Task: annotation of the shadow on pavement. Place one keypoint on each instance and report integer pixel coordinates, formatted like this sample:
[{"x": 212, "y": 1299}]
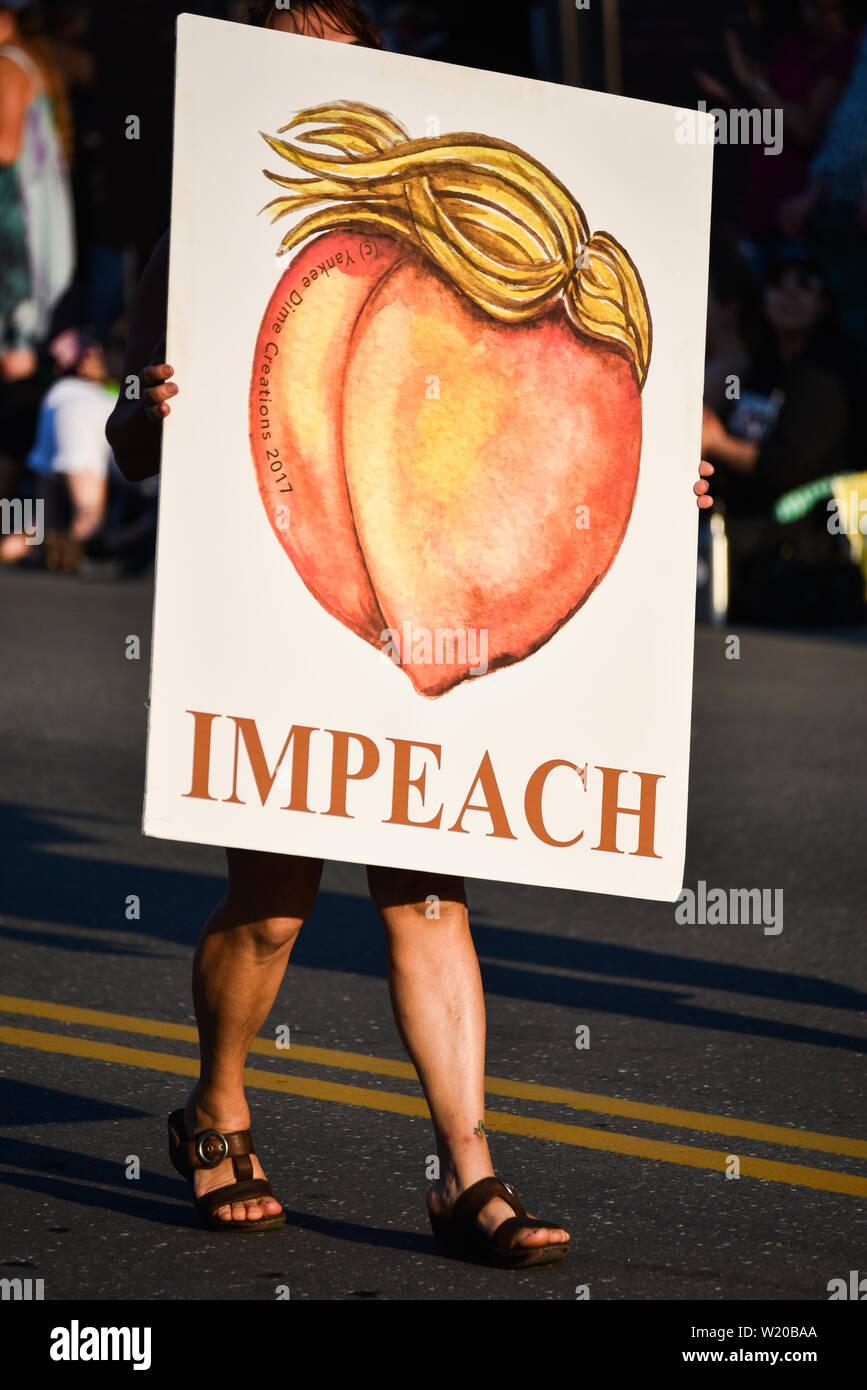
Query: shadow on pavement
[{"x": 344, "y": 935}]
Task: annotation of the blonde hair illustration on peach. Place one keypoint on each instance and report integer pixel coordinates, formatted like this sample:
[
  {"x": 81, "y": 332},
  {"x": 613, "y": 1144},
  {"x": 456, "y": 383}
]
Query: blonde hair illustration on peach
[{"x": 504, "y": 230}]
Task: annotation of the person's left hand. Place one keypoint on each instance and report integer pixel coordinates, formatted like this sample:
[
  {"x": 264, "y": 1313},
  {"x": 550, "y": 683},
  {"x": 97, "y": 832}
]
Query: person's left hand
[{"x": 701, "y": 487}]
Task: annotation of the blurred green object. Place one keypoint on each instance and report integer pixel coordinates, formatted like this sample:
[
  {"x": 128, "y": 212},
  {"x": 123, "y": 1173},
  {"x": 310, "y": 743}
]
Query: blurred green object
[
  {"x": 850, "y": 493},
  {"x": 795, "y": 504}
]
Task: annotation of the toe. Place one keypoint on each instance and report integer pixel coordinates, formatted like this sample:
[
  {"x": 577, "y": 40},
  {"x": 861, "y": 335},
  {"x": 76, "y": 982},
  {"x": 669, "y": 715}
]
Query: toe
[
  {"x": 533, "y": 1235},
  {"x": 541, "y": 1235}
]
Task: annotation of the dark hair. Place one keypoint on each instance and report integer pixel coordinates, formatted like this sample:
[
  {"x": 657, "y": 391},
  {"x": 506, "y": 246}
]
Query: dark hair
[{"x": 343, "y": 14}]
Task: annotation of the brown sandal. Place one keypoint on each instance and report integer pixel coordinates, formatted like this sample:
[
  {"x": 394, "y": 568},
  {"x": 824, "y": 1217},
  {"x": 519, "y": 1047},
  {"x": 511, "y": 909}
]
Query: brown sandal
[
  {"x": 63, "y": 552},
  {"x": 205, "y": 1150},
  {"x": 461, "y": 1238}
]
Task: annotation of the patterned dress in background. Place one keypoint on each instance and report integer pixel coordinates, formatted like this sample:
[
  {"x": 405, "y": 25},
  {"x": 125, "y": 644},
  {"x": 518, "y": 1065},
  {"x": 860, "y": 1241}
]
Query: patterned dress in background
[{"x": 37, "y": 239}]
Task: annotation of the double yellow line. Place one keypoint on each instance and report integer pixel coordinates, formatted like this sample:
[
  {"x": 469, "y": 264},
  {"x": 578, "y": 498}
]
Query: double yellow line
[{"x": 399, "y": 1103}]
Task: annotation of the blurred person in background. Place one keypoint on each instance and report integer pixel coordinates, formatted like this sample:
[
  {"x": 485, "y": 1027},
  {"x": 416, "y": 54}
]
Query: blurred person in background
[
  {"x": 733, "y": 293},
  {"x": 831, "y": 210},
  {"x": 71, "y": 456},
  {"x": 803, "y": 80},
  {"x": 37, "y": 252},
  {"x": 791, "y": 422}
]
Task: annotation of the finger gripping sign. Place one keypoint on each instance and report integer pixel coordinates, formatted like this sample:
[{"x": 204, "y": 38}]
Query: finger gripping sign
[{"x": 425, "y": 575}]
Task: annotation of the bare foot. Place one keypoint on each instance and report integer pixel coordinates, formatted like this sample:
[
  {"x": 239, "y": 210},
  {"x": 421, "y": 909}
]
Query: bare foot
[
  {"x": 225, "y": 1119},
  {"x": 443, "y": 1195}
]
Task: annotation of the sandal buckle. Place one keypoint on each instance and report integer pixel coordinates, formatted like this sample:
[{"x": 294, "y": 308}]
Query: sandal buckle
[
  {"x": 211, "y": 1148},
  {"x": 512, "y": 1193}
]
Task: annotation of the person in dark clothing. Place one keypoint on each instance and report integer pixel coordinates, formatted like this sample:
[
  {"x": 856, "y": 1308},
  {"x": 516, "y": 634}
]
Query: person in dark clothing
[{"x": 791, "y": 422}]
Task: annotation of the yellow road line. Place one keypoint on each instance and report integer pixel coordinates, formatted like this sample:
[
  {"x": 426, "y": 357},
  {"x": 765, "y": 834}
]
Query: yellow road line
[
  {"x": 514, "y": 1090},
  {"x": 394, "y": 1103}
]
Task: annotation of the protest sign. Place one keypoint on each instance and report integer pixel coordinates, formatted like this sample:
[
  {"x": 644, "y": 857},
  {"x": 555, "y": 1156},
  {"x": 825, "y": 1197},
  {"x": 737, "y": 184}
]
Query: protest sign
[{"x": 426, "y": 558}]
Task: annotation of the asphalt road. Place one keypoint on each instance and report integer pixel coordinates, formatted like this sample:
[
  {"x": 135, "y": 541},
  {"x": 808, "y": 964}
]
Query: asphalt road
[{"x": 705, "y": 1041}]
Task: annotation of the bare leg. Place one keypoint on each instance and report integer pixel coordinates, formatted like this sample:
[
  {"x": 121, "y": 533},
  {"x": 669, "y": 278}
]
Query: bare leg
[
  {"x": 87, "y": 493},
  {"x": 439, "y": 1009},
  {"x": 238, "y": 967}
]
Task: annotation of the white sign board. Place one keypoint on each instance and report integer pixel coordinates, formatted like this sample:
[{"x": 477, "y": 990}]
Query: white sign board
[{"x": 426, "y": 560}]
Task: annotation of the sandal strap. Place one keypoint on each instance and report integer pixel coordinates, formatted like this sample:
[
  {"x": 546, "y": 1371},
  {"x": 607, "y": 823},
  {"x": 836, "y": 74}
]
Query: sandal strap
[
  {"x": 233, "y": 1192},
  {"x": 210, "y": 1147},
  {"x": 470, "y": 1202},
  {"x": 502, "y": 1236}
]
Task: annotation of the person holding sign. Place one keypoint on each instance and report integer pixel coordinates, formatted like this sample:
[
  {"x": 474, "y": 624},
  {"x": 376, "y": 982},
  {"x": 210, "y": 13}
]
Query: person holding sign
[{"x": 433, "y": 972}]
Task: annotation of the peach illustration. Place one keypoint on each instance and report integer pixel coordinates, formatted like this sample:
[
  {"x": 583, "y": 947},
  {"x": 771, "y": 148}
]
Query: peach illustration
[{"x": 445, "y": 408}]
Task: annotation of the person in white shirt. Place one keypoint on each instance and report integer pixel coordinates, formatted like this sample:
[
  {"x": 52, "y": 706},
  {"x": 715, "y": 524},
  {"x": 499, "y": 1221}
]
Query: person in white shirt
[
  {"x": 70, "y": 432},
  {"x": 71, "y": 455}
]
